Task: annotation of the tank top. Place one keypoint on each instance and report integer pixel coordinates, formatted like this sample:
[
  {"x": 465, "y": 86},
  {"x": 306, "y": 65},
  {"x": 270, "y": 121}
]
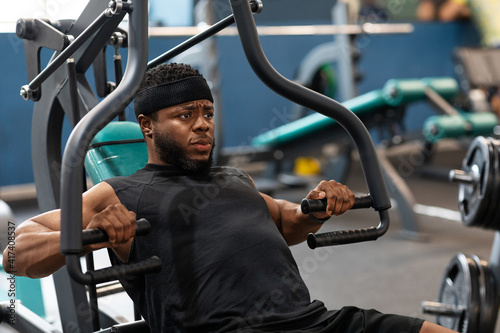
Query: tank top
[{"x": 225, "y": 265}]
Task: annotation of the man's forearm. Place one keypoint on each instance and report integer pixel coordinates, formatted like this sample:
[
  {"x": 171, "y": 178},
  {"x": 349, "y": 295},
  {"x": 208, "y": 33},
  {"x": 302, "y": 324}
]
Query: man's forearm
[
  {"x": 295, "y": 226},
  {"x": 34, "y": 255}
]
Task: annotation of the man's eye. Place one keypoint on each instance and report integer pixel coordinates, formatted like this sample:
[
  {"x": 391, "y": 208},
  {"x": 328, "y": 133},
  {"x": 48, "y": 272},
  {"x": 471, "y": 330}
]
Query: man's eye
[
  {"x": 185, "y": 115},
  {"x": 209, "y": 115}
]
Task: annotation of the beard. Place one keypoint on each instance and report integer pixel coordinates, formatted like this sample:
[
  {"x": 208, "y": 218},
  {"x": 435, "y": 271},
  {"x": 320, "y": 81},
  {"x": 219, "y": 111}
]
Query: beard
[{"x": 171, "y": 152}]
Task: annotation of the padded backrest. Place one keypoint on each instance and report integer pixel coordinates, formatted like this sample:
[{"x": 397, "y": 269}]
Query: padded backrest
[
  {"x": 117, "y": 150},
  {"x": 480, "y": 66}
]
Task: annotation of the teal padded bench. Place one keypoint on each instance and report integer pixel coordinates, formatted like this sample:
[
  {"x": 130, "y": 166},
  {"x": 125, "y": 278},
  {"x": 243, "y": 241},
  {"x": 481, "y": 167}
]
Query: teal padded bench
[
  {"x": 394, "y": 93},
  {"x": 117, "y": 150}
]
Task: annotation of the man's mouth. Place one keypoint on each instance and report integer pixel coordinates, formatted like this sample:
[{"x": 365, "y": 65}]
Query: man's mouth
[{"x": 202, "y": 145}]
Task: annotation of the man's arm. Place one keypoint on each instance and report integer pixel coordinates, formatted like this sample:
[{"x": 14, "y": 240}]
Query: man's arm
[
  {"x": 294, "y": 225},
  {"x": 38, "y": 239}
]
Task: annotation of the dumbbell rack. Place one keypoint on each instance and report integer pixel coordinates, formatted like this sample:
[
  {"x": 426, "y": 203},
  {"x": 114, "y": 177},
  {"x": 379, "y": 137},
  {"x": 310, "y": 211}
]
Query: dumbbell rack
[{"x": 468, "y": 299}]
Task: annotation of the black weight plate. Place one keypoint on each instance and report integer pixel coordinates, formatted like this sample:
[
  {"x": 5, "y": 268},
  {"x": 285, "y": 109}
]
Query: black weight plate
[
  {"x": 460, "y": 289},
  {"x": 495, "y": 223},
  {"x": 471, "y": 197},
  {"x": 492, "y": 220},
  {"x": 492, "y": 191},
  {"x": 487, "y": 297}
]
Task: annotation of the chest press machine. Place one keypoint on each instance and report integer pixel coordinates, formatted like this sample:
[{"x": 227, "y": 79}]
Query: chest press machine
[{"x": 110, "y": 148}]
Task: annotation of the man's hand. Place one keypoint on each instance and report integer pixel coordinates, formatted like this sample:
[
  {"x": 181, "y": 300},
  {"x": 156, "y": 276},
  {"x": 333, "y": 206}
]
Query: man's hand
[
  {"x": 118, "y": 222},
  {"x": 339, "y": 197}
]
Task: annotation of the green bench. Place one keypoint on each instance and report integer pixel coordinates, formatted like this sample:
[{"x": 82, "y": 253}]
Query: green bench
[
  {"x": 395, "y": 93},
  {"x": 117, "y": 150}
]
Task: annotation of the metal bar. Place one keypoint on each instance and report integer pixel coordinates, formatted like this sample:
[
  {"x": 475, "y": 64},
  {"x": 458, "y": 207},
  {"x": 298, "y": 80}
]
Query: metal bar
[
  {"x": 330, "y": 108},
  {"x": 24, "y": 320},
  {"x": 64, "y": 55},
  {"x": 439, "y": 102},
  {"x": 315, "y": 101},
  {"x": 93, "y": 304},
  {"x": 442, "y": 309},
  {"x": 201, "y": 36},
  {"x": 287, "y": 30},
  {"x": 463, "y": 177},
  {"x": 75, "y": 151},
  {"x": 110, "y": 288},
  {"x": 74, "y": 114},
  {"x": 91, "y": 123}
]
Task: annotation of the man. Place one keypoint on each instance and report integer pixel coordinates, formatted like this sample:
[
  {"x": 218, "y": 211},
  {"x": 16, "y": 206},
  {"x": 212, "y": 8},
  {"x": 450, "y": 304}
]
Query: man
[{"x": 226, "y": 265}]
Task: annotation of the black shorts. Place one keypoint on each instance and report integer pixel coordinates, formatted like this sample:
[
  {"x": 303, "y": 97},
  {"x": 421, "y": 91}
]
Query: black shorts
[
  {"x": 347, "y": 320},
  {"x": 354, "y": 320}
]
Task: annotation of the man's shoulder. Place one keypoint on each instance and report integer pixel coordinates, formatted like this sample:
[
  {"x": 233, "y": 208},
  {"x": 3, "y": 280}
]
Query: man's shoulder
[
  {"x": 228, "y": 170},
  {"x": 139, "y": 177}
]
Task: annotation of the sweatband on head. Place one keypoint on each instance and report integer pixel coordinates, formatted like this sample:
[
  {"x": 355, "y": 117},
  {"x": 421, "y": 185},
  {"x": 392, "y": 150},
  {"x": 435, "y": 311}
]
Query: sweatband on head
[{"x": 165, "y": 95}]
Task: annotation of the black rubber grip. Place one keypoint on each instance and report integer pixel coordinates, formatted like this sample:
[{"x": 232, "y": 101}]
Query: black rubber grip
[
  {"x": 310, "y": 205},
  {"x": 342, "y": 237},
  {"x": 147, "y": 266},
  {"x": 94, "y": 236}
]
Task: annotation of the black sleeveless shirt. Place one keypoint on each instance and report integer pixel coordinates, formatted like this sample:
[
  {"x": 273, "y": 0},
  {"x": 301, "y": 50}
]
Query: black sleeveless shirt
[{"x": 225, "y": 265}]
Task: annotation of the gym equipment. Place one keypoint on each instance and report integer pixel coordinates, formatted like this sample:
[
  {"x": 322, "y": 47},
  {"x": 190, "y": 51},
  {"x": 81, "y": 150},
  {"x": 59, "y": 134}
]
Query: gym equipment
[
  {"x": 383, "y": 108},
  {"x": 453, "y": 123},
  {"x": 308, "y": 206},
  {"x": 64, "y": 91},
  {"x": 395, "y": 93},
  {"x": 462, "y": 124},
  {"x": 478, "y": 74},
  {"x": 479, "y": 182},
  {"x": 326, "y": 106},
  {"x": 118, "y": 149},
  {"x": 468, "y": 298},
  {"x": 335, "y": 237}
]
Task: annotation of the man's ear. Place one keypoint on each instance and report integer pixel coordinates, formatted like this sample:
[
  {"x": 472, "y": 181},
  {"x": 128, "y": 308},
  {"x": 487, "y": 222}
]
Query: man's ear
[{"x": 146, "y": 125}]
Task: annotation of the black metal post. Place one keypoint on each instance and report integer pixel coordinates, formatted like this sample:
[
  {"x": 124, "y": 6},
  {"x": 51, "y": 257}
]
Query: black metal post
[
  {"x": 192, "y": 41},
  {"x": 68, "y": 51},
  {"x": 326, "y": 106},
  {"x": 85, "y": 130}
]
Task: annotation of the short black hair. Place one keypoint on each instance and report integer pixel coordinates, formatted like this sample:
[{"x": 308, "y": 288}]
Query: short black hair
[{"x": 166, "y": 73}]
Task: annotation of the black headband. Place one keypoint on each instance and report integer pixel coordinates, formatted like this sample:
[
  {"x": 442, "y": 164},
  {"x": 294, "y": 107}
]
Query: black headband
[{"x": 162, "y": 96}]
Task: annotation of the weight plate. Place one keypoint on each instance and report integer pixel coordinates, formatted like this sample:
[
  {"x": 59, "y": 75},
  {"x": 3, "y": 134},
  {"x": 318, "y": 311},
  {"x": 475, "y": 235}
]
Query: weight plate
[
  {"x": 491, "y": 220},
  {"x": 460, "y": 289},
  {"x": 487, "y": 297},
  {"x": 495, "y": 223},
  {"x": 491, "y": 193},
  {"x": 472, "y": 198}
]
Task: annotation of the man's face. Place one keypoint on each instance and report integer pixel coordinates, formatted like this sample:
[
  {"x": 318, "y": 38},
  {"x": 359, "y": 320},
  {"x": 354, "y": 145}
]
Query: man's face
[{"x": 184, "y": 135}]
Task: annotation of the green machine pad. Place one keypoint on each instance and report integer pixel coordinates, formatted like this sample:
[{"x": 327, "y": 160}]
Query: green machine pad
[{"x": 117, "y": 150}]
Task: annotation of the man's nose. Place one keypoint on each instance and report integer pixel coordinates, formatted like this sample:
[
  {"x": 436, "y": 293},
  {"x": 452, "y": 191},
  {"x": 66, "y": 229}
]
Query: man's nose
[{"x": 201, "y": 123}]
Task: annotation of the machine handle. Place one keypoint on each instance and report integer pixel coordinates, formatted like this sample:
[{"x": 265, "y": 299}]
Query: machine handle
[
  {"x": 311, "y": 205},
  {"x": 344, "y": 236},
  {"x": 293, "y": 91},
  {"x": 147, "y": 266},
  {"x": 94, "y": 236}
]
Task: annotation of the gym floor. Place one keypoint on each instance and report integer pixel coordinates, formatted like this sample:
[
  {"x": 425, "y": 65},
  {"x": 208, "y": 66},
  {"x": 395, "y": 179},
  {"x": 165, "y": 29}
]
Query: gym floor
[{"x": 395, "y": 273}]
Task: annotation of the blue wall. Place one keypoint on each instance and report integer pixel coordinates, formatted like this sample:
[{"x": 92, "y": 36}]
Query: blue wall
[{"x": 249, "y": 107}]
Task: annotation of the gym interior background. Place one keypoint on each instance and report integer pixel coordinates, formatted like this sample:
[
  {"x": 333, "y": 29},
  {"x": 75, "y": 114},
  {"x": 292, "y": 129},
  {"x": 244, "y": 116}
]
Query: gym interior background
[
  {"x": 249, "y": 108},
  {"x": 427, "y": 52}
]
